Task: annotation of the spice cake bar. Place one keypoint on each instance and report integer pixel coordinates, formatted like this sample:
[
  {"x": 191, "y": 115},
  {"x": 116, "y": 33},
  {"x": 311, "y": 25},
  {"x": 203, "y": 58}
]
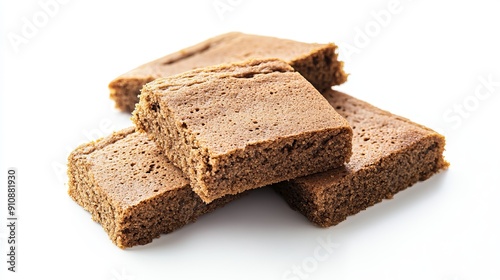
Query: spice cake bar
[
  {"x": 240, "y": 126},
  {"x": 390, "y": 153},
  {"x": 132, "y": 190},
  {"x": 317, "y": 62}
]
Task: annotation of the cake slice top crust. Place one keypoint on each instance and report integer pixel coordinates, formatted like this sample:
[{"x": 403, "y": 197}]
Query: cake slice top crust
[
  {"x": 318, "y": 63},
  {"x": 129, "y": 153},
  {"x": 229, "y": 106},
  {"x": 233, "y": 46}
]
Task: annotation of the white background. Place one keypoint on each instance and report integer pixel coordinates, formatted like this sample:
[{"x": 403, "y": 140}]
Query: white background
[{"x": 421, "y": 59}]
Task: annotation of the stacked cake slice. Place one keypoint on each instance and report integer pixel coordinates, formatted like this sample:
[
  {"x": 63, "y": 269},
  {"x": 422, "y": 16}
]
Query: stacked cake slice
[
  {"x": 389, "y": 154},
  {"x": 316, "y": 62},
  {"x": 236, "y": 127},
  {"x": 204, "y": 137}
]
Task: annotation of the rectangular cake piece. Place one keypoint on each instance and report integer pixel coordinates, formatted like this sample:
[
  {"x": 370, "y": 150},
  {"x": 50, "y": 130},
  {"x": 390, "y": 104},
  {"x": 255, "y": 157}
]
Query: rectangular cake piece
[
  {"x": 390, "y": 153},
  {"x": 131, "y": 188},
  {"x": 240, "y": 126},
  {"x": 317, "y": 62}
]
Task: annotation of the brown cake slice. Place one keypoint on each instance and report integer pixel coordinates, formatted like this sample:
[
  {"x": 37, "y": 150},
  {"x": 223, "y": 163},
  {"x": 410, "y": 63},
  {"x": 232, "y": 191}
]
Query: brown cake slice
[
  {"x": 132, "y": 190},
  {"x": 390, "y": 153},
  {"x": 317, "y": 62},
  {"x": 240, "y": 126}
]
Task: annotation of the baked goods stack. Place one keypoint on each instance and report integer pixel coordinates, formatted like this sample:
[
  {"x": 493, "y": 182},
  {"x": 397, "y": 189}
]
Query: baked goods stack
[{"x": 239, "y": 112}]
